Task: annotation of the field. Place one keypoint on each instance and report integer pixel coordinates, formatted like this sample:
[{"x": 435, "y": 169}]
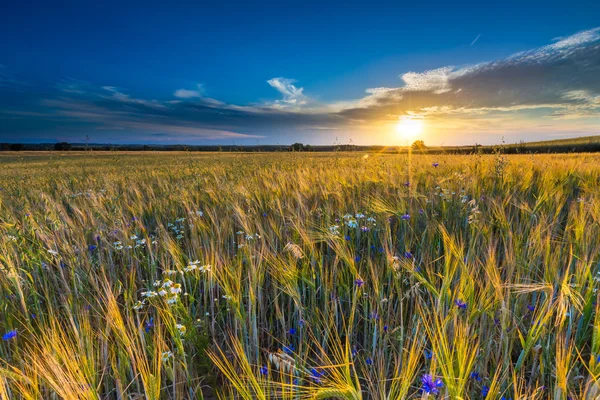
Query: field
[{"x": 295, "y": 276}]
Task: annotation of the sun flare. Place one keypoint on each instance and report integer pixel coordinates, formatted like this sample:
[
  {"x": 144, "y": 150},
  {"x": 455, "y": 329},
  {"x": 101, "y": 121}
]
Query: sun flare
[{"x": 409, "y": 127}]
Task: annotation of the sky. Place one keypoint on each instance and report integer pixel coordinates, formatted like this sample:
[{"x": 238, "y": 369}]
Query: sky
[{"x": 313, "y": 72}]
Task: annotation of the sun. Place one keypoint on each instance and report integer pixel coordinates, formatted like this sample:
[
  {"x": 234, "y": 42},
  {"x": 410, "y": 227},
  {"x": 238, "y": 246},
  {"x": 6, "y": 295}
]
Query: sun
[{"x": 409, "y": 127}]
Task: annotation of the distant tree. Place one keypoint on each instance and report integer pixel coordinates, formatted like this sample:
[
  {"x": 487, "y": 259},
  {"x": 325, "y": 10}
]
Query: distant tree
[
  {"x": 297, "y": 147},
  {"x": 418, "y": 145},
  {"x": 63, "y": 146},
  {"x": 17, "y": 147}
]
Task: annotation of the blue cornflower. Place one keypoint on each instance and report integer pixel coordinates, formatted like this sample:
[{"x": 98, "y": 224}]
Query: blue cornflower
[
  {"x": 531, "y": 308},
  {"x": 405, "y": 217},
  {"x": 475, "y": 375},
  {"x": 92, "y": 247},
  {"x": 289, "y": 350},
  {"x": 460, "y": 304},
  {"x": 347, "y": 237},
  {"x": 429, "y": 385},
  {"x": 428, "y": 354},
  {"x": 292, "y": 331},
  {"x": 264, "y": 214},
  {"x": 301, "y": 323},
  {"x": 354, "y": 352},
  {"x": 264, "y": 370},
  {"x": 359, "y": 282},
  {"x": 149, "y": 324},
  {"x": 98, "y": 238},
  {"x": 357, "y": 258},
  {"x": 10, "y": 335},
  {"x": 485, "y": 390},
  {"x": 385, "y": 328},
  {"x": 369, "y": 361},
  {"x": 407, "y": 184},
  {"x": 316, "y": 375},
  {"x": 436, "y": 164},
  {"x": 408, "y": 254},
  {"x": 421, "y": 211}
]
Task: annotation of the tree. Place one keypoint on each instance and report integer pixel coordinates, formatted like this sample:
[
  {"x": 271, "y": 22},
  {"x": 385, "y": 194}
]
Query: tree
[
  {"x": 418, "y": 145},
  {"x": 17, "y": 147},
  {"x": 297, "y": 147},
  {"x": 63, "y": 146}
]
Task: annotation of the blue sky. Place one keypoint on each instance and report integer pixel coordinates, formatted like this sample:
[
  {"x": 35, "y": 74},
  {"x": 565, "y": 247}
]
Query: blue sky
[{"x": 315, "y": 72}]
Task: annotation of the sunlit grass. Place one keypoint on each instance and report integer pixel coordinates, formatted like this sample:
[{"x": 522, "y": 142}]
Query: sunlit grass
[{"x": 299, "y": 276}]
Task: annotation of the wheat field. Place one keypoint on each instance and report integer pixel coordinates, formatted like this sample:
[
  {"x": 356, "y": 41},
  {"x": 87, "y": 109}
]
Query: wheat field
[{"x": 299, "y": 276}]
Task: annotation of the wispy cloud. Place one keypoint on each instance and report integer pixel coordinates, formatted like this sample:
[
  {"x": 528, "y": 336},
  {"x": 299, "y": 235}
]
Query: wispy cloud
[
  {"x": 292, "y": 95},
  {"x": 189, "y": 94},
  {"x": 475, "y": 40}
]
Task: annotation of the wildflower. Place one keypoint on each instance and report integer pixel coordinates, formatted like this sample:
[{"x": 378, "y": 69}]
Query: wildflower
[
  {"x": 485, "y": 390},
  {"x": 149, "y": 324},
  {"x": 166, "y": 356},
  {"x": 408, "y": 254},
  {"x": 407, "y": 184},
  {"x": 10, "y": 335},
  {"x": 181, "y": 328},
  {"x": 359, "y": 215},
  {"x": 428, "y": 354},
  {"x": 138, "y": 305},
  {"x": 385, "y": 328},
  {"x": 365, "y": 229},
  {"x": 357, "y": 258},
  {"x": 531, "y": 308},
  {"x": 352, "y": 223},
  {"x": 475, "y": 375},
  {"x": 436, "y": 164},
  {"x": 359, "y": 282},
  {"x": 92, "y": 247},
  {"x": 289, "y": 350},
  {"x": 429, "y": 385},
  {"x": 460, "y": 304},
  {"x": 172, "y": 300},
  {"x": 264, "y": 370},
  {"x": 292, "y": 331},
  {"x": 176, "y": 288},
  {"x": 347, "y": 237},
  {"x": 316, "y": 375},
  {"x": 405, "y": 217},
  {"x": 369, "y": 361}
]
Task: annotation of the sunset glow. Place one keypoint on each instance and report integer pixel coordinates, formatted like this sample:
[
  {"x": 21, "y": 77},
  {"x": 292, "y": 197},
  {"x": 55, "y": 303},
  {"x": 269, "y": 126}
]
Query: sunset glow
[{"x": 409, "y": 128}]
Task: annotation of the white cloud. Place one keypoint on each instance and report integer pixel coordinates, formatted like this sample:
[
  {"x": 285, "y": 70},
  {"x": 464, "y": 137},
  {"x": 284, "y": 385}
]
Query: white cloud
[
  {"x": 292, "y": 95},
  {"x": 189, "y": 94},
  {"x": 435, "y": 80}
]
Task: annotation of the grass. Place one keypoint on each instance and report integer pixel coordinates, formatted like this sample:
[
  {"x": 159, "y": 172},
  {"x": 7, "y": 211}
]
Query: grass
[{"x": 299, "y": 276}]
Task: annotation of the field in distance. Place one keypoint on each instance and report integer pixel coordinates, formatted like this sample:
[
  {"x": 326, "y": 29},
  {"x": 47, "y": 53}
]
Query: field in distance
[{"x": 339, "y": 275}]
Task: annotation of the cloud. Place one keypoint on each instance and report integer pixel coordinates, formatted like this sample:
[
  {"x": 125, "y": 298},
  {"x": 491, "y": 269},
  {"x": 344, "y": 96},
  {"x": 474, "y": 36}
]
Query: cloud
[
  {"x": 292, "y": 95},
  {"x": 562, "y": 75},
  {"x": 189, "y": 94},
  {"x": 556, "y": 83},
  {"x": 436, "y": 80}
]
